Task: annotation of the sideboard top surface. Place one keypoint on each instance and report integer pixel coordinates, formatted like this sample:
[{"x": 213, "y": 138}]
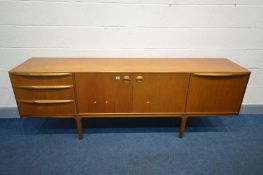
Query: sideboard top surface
[{"x": 129, "y": 65}]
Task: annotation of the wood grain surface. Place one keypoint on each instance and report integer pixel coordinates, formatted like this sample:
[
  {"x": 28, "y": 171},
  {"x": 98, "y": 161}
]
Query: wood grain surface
[{"x": 188, "y": 65}]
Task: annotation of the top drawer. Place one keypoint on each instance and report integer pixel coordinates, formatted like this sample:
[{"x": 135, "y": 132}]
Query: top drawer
[{"x": 38, "y": 79}]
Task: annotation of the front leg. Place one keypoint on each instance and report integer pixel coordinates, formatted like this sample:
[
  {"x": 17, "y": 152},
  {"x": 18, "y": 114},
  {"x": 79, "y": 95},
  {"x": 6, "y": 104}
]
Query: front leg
[
  {"x": 79, "y": 126},
  {"x": 182, "y": 126}
]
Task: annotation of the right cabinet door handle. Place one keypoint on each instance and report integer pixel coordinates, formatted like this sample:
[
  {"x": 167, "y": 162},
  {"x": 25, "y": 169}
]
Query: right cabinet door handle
[
  {"x": 139, "y": 78},
  {"x": 126, "y": 78}
]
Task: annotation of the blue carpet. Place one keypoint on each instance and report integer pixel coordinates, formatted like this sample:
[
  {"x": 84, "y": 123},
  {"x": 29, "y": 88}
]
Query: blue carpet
[{"x": 140, "y": 146}]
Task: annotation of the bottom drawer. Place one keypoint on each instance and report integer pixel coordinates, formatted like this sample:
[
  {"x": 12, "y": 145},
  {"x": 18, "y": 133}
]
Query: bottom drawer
[{"x": 42, "y": 107}]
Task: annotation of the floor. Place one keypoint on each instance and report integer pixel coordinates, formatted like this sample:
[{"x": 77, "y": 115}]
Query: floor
[{"x": 138, "y": 146}]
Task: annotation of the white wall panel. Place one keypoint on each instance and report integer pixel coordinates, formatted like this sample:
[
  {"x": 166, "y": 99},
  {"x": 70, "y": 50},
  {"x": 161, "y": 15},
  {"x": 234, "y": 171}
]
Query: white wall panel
[
  {"x": 254, "y": 95},
  {"x": 173, "y": 2},
  {"x": 99, "y": 38},
  {"x": 114, "y": 14},
  {"x": 8, "y": 99},
  {"x": 4, "y": 78},
  {"x": 258, "y": 78},
  {"x": 250, "y": 2}
]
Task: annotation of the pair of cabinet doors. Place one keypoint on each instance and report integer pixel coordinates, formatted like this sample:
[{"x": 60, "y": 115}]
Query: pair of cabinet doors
[
  {"x": 123, "y": 93},
  {"x": 158, "y": 93}
]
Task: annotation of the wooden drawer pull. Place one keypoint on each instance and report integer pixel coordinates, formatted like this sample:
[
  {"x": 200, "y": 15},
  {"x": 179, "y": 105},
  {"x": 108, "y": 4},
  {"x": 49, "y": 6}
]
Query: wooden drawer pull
[
  {"x": 126, "y": 79},
  {"x": 46, "y": 101},
  {"x": 45, "y": 87},
  {"x": 139, "y": 79},
  {"x": 218, "y": 74},
  {"x": 41, "y": 74}
]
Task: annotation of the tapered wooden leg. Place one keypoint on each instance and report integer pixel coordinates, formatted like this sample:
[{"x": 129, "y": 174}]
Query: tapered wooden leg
[
  {"x": 182, "y": 126},
  {"x": 79, "y": 126}
]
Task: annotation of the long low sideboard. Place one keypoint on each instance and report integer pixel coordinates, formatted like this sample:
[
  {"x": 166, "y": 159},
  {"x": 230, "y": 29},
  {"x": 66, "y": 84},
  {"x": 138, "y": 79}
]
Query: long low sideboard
[{"x": 133, "y": 87}]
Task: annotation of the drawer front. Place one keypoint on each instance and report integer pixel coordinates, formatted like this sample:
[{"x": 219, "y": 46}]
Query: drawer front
[
  {"x": 44, "y": 94},
  {"x": 216, "y": 93},
  {"x": 40, "y": 94},
  {"x": 42, "y": 108},
  {"x": 42, "y": 79}
]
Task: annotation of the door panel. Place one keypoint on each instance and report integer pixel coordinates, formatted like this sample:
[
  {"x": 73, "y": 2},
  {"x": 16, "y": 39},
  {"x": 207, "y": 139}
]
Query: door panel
[
  {"x": 103, "y": 92},
  {"x": 214, "y": 93},
  {"x": 165, "y": 92}
]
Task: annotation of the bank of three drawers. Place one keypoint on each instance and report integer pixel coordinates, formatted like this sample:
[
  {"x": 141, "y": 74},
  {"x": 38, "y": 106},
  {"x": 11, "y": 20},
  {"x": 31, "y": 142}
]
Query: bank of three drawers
[{"x": 43, "y": 94}]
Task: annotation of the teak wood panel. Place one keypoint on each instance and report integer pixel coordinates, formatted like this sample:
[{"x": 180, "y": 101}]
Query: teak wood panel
[
  {"x": 22, "y": 80},
  {"x": 55, "y": 87},
  {"x": 165, "y": 92},
  {"x": 45, "y": 94},
  {"x": 216, "y": 94},
  {"x": 35, "y": 109},
  {"x": 103, "y": 92},
  {"x": 132, "y": 65}
]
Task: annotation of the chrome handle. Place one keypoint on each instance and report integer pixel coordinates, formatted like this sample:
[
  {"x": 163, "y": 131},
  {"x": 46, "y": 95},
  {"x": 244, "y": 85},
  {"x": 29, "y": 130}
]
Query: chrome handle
[
  {"x": 126, "y": 78},
  {"x": 139, "y": 79}
]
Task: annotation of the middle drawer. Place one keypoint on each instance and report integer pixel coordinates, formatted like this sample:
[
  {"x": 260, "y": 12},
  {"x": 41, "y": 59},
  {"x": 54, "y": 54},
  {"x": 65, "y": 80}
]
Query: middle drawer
[{"x": 45, "y": 93}]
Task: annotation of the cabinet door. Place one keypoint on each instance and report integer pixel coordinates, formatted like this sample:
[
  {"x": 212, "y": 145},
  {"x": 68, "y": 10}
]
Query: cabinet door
[
  {"x": 103, "y": 92},
  {"x": 216, "y": 93},
  {"x": 160, "y": 93}
]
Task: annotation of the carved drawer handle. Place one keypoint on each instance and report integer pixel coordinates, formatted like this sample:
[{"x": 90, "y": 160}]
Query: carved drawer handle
[
  {"x": 126, "y": 79},
  {"x": 46, "y": 101},
  {"x": 218, "y": 74},
  {"x": 41, "y": 74},
  {"x": 45, "y": 87},
  {"x": 139, "y": 79}
]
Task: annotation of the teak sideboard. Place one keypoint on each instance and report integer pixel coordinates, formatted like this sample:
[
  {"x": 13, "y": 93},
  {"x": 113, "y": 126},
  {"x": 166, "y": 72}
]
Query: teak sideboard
[{"x": 108, "y": 87}]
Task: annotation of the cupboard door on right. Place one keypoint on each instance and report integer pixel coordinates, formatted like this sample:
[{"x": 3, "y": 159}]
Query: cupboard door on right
[
  {"x": 216, "y": 93},
  {"x": 160, "y": 92}
]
